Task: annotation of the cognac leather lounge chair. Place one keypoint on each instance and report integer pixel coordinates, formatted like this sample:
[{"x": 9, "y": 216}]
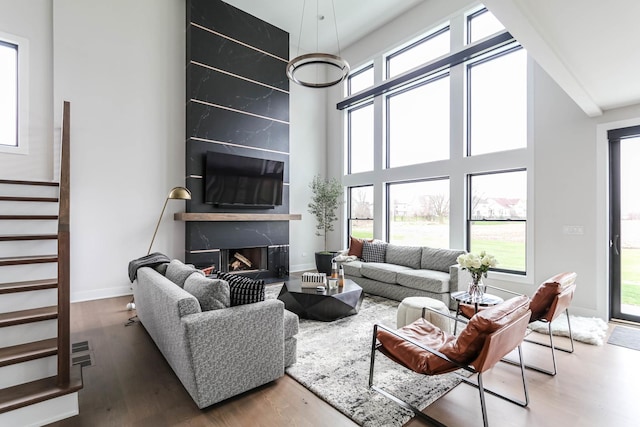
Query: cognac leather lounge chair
[
  {"x": 426, "y": 349},
  {"x": 551, "y": 299}
]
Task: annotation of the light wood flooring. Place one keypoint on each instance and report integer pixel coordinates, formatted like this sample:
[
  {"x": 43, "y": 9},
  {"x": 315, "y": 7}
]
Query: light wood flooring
[{"x": 130, "y": 384}]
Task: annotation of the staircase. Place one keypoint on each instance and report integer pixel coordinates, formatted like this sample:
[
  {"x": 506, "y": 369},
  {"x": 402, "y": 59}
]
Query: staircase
[{"x": 37, "y": 382}]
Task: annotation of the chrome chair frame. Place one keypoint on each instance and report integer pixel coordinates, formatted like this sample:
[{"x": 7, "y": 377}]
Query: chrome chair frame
[{"x": 479, "y": 384}]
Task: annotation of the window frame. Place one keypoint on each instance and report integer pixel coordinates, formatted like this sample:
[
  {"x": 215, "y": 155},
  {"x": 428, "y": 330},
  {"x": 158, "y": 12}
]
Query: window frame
[
  {"x": 22, "y": 107},
  {"x": 349, "y": 133},
  {"x": 467, "y": 68},
  {"x": 356, "y": 74},
  {"x": 469, "y": 219},
  {"x": 387, "y": 119},
  {"x": 388, "y": 57},
  {"x": 349, "y": 210}
]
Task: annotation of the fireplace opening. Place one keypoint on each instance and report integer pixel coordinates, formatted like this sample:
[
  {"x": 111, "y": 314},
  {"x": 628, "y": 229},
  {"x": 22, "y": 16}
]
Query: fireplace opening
[{"x": 245, "y": 259}]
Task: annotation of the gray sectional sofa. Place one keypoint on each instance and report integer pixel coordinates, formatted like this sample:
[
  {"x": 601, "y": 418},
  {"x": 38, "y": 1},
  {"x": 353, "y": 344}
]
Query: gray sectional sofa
[
  {"x": 219, "y": 353},
  {"x": 410, "y": 271}
]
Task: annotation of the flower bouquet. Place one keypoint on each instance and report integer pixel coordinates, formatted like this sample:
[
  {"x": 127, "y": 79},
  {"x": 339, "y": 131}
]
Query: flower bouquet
[{"x": 477, "y": 266}]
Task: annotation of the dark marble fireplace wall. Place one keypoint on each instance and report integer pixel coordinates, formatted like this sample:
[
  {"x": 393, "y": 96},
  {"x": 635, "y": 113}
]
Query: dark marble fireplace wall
[{"x": 237, "y": 102}]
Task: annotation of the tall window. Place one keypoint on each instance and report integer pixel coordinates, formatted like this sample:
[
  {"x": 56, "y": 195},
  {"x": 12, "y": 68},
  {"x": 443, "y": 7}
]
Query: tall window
[
  {"x": 418, "y": 123},
  {"x": 360, "y": 79},
  {"x": 419, "y": 213},
  {"x": 8, "y": 94},
  {"x": 360, "y": 202},
  {"x": 497, "y": 217},
  {"x": 497, "y": 103},
  {"x": 420, "y": 52},
  {"x": 360, "y": 153},
  {"x": 434, "y": 110},
  {"x": 14, "y": 96},
  {"x": 482, "y": 24}
]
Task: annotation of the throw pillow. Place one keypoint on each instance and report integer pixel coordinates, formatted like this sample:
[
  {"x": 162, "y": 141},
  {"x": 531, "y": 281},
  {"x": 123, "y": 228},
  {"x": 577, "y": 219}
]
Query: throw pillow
[
  {"x": 355, "y": 246},
  {"x": 374, "y": 251},
  {"x": 243, "y": 289},
  {"x": 212, "y": 294},
  {"x": 178, "y": 272}
]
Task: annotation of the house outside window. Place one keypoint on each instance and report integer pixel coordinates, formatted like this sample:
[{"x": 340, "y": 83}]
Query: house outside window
[{"x": 497, "y": 217}]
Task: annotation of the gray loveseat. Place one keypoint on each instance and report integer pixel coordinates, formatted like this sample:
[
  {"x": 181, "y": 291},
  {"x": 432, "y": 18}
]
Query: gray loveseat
[
  {"x": 219, "y": 353},
  {"x": 410, "y": 271}
]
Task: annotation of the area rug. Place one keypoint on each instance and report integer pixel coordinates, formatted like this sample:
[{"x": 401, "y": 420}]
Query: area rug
[
  {"x": 590, "y": 330},
  {"x": 333, "y": 362},
  {"x": 625, "y": 337}
]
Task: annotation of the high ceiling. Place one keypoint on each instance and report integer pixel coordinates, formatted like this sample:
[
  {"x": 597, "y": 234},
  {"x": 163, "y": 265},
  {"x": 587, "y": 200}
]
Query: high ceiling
[
  {"x": 355, "y": 19},
  {"x": 589, "y": 47}
]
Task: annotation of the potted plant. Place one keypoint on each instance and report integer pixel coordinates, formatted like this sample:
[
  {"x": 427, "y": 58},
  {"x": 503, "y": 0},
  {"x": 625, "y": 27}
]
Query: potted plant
[{"x": 326, "y": 197}]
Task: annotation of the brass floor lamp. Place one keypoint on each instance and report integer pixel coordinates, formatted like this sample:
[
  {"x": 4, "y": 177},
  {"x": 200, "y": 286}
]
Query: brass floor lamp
[{"x": 177, "y": 193}]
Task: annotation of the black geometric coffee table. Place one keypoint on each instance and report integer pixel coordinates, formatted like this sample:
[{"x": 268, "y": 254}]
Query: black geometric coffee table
[{"x": 325, "y": 306}]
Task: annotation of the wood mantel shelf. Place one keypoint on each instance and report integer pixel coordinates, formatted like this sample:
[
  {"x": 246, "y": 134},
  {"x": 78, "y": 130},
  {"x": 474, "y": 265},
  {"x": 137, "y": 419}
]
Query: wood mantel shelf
[{"x": 195, "y": 216}]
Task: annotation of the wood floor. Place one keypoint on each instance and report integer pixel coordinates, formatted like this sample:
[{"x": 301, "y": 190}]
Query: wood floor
[{"x": 130, "y": 384}]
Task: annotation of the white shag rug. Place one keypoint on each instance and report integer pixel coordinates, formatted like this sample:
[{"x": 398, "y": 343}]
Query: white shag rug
[
  {"x": 333, "y": 362},
  {"x": 590, "y": 330}
]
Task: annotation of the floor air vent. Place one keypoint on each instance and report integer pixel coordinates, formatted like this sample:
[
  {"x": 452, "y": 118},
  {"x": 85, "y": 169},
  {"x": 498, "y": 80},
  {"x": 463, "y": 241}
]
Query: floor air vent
[{"x": 81, "y": 354}]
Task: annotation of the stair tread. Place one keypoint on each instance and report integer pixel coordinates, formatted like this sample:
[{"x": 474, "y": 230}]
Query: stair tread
[
  {"x": 21, "y": 260},
  {"x": 31, "y": 285},
  {"x": 28, "y": 217},
  {"x": 29, "y": 182},
  {"x": 28, "y": 351},
  {"x": 28, "y": 199},
  {"x": 28, "y": 316},
  {"x": 26, "y": 394},
  {"x": 14, "y": 237}
]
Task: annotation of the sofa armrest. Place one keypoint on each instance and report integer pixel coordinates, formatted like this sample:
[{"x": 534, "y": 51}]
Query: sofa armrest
[
  {"x": 235, "y": 349},
  {"x": 454, "y": 279}
]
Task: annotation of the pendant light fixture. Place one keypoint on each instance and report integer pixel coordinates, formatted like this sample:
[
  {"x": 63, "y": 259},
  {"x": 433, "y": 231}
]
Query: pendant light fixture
[{"x": 318, "y": 70}]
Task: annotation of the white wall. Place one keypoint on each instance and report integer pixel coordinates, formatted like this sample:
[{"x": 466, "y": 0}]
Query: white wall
[
  {"x": 121, "y": 65},
  {"x": 307, "y": 145},
  {"x": 32, "y": 21}
]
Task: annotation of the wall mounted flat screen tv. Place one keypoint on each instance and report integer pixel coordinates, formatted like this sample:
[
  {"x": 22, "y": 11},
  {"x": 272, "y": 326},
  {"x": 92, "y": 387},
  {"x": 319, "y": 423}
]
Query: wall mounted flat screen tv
[{"x": 232, "y": 180}]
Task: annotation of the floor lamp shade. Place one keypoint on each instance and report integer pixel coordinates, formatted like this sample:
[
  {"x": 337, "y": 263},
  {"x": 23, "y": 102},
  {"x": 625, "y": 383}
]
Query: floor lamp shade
[{"x": 179, "y": 193}]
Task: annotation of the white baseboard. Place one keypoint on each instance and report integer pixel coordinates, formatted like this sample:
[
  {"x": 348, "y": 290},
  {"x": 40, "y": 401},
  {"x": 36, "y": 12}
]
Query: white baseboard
[
  {"x": 42, "y": 413},
  {"x": 302, "y": 267},
  {"x": 100, "y": 293}
]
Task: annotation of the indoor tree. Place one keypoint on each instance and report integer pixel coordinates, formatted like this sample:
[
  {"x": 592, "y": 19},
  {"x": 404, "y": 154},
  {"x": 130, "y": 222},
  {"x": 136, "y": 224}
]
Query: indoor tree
[{"x": 326, "y": 197}]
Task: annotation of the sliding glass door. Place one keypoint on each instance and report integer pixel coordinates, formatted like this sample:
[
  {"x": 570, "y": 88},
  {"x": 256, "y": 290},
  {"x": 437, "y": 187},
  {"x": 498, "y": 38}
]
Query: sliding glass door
[{"x": 624, "y": 237}]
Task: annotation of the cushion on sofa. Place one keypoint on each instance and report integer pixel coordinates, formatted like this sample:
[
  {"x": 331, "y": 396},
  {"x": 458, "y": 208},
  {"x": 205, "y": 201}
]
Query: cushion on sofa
[
  {"x": 244, "y": 290},
  {"x": 355, "y": 246},
  {"x": 352, "y": 268},
  {"x": 382, "y": 272},
  {"x": 374, "y": 251},
  {"x": 439, "y": 259},
  {"x": 212, "y": 294},
  {"x": 178, "y": 272},
  {"x": 409, "y": 256},
  {"x": 425, "y": 280}
]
